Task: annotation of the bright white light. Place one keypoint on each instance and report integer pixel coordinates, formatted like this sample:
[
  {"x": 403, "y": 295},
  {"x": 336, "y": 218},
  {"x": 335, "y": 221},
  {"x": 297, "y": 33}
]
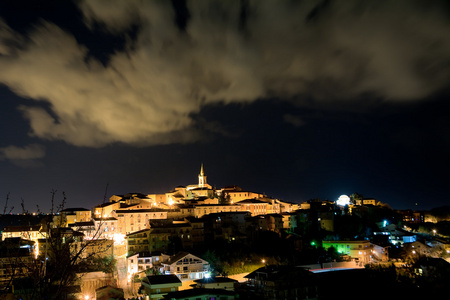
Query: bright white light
[
  {"x": 343, "y": 200},
  {"x": 118, "y": 238},
  {"x": 171, "y": 202}
]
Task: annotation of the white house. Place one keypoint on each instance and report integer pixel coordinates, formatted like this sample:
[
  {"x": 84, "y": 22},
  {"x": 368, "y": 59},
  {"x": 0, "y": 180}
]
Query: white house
[{"x": 186, "y": 266}]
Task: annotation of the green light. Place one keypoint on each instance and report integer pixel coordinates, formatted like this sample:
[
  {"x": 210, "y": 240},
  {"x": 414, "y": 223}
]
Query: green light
[{"x": 313, "y": 243}]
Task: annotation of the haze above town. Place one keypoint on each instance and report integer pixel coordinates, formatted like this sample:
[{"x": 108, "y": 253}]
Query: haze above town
[{"x": 295, "y": 100}]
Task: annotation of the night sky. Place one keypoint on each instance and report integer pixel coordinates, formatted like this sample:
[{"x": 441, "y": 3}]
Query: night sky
[{"x": 294, "y": 99}]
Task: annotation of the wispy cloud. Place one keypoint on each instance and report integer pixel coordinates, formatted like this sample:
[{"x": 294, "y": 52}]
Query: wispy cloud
[
  {"x": 296, "y": 121},
  {"x": 329, "y": 51},
  {"x": 27, "y": 156}
]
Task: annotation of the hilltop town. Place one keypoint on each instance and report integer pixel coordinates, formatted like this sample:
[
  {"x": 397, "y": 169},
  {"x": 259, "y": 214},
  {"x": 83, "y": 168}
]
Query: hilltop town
[{"x": 200, "y": 242}]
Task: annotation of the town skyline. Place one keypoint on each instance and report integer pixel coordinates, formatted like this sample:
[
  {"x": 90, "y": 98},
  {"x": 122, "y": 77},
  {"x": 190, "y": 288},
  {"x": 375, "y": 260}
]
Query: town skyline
[{"x": 61, "y": 201}]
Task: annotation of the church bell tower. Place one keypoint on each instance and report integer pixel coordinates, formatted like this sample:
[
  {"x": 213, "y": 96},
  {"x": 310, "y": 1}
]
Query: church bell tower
[{"x": 202, "y": 178}]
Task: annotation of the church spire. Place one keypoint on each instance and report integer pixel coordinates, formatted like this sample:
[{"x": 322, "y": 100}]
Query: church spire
[{"x": 201, "y": 178}]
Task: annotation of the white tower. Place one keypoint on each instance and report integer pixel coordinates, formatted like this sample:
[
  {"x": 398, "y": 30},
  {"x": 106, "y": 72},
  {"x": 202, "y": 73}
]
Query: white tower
[{"x": 202, "y": 178}]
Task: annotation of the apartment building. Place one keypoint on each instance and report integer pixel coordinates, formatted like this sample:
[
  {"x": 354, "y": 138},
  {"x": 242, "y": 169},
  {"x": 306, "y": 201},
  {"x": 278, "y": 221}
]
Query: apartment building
[
  {"x": 137, "y": 219},
  {"x": 201, "y": 210},
  {"x": 254, "y": 206}
]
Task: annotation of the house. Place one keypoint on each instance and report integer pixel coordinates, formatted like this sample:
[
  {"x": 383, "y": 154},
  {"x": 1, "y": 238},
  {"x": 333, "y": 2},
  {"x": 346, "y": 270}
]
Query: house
[
  {"x": 142, "y": 261},
  {"x": 283, "y": 282},
  {"x": 201, "y": 293},
  {"x": 156, "y": 286},
  {"x": 186, "y": 266},
  {"x": 106, "y": 210},
  {"x": 380, "y": 251},
  {"x": 72, "y": 215},
  {"x": 223, "y": 283},
  {"x": 416, "y": 248},
  {"x": 31, "y": 233},
  {"x": 360, "y": 251}
]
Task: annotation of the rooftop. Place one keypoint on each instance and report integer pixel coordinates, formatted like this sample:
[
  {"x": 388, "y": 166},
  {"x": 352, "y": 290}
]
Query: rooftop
[{"x": 163, "y": 279}]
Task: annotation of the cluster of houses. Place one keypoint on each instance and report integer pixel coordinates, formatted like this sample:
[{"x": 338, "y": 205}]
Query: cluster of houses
[{"x": 141, "y": 230}]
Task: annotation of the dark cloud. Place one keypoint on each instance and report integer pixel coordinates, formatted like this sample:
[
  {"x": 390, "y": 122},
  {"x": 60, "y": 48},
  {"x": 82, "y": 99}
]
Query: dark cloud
[{"x": 329, "y": 52}]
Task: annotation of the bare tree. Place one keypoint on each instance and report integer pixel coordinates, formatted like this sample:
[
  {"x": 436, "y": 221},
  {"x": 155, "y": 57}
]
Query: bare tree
[{"x": 62, "y": 254}]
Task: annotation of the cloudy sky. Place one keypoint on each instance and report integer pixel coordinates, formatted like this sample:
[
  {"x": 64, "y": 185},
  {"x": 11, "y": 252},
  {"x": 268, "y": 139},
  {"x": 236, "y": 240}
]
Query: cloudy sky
[{"x": 296, "y": 99}]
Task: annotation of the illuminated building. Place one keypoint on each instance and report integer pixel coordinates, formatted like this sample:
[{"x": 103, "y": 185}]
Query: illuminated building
[
  {"x": 31, "y": 233},
  {"x": 236, "y": 196},
  {"x": 201, "y": 181},
  {"x": 72, "y": 215},
  {"x": 360, "y": 251},
  {"x": 129, "y": 220},
  {"x": 366, "y": 202},
  {"x": 147, "y": 240},
  {"x": 98, "y": 248},
  {"x": 91, "y": 281},
  {"x": 156, "y": 286},
  {"x": 254, "y": 206},
  {"x": 201, "y": 210},
  {"x": 139, "y": 262},
  {"x": 186, "y": 266},
  {"x": 105, "y": 210},
  {"x": 289, "y": 221}
]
